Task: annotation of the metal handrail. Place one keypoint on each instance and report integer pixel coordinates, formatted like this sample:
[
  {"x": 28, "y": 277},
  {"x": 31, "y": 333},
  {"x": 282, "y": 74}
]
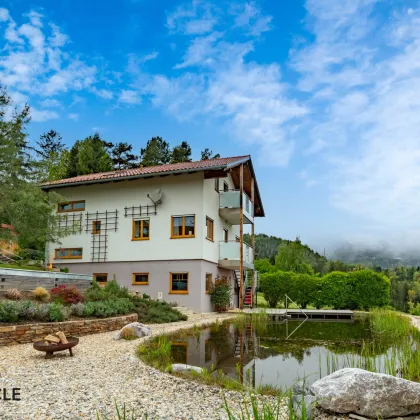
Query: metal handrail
[{"x": 304, "y": 313}]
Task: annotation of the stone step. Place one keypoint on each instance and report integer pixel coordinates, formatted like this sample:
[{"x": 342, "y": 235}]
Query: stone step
[{"x": 184, "y": 310}]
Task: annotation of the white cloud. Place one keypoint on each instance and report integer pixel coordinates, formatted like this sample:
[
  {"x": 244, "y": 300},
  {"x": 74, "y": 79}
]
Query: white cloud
[
  {"x": 102, "y": 93},
  {"x": 50, "y": 103},
  {"x": 42, "y": 115},
  {"x": 220, "y": 82},
  {"x": 197, "y": 17},
  {"x": 73, "y": 117},
  {"x": 250, "y": 18},
  {"x": 4, "y": 15},
  {"x": 129, "y": 97},
  {"x": 366, "y": 126}
]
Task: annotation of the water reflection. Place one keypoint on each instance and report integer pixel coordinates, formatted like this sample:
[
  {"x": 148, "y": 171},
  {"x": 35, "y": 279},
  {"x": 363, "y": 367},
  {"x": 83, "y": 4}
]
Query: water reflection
[{"x": 276, "y": 354}]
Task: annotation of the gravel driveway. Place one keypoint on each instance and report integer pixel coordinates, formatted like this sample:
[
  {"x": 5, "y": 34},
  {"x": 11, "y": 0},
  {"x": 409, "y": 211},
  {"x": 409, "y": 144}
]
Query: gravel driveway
[{"x": 103, "y": 370}]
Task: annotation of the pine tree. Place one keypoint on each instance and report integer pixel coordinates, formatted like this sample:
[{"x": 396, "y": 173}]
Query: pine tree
[
  {"x": 207, "y": 154},
  {"x": 181, "y": 153},
  {"x": 122, "y": 158},
  {"x": 156, "y": 152}
]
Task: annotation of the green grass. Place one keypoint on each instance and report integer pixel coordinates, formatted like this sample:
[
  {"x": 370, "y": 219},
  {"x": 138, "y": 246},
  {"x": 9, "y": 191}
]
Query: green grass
[
  {"x": 22, "y": 267},
  {"x": 390, "y": 325}
]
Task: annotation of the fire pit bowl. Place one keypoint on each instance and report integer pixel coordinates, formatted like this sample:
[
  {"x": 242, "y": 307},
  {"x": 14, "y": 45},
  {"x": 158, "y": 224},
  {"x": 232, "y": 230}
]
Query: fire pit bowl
[{"x": 52, "y": 348}]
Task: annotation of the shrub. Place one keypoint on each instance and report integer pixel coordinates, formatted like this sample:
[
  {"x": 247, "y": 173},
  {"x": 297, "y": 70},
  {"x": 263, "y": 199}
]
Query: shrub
[
  {"x": 77, "y": 309},
  {"x": 275, "y": 286},
  {"x": 66, "y": 294},
  {"x": 64, "y": 270},
  {"x": 42, "y": 312},
  {"x": 336, "y": 290},
  {"x": 111, "y": 290},
  {"x": 9, "y": 311},
  {"x": 27, "y": 310},
  {"x": 41, "y": 294},
  {"x": 128, "y": 333},
  {"x": 13, "y": 294},
  {"x": 414, "y": 309},
  {"x": 220, "y": 295},
  {"x": 57, "y": 312},
  {"x": 368, "y": 289},
  {"x": 156, "y": 312},
  {"x": 304, "y": 289}
]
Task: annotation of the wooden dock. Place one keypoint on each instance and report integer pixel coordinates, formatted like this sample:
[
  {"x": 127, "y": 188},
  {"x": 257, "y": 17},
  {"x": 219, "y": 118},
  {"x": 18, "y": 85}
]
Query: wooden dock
[{"x": 315, "y": 314}]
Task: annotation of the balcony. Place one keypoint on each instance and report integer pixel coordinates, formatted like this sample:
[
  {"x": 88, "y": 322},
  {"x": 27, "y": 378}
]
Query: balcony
[
  {"x": 230, "y": 204},
  {"x": 229, "y": 255}
]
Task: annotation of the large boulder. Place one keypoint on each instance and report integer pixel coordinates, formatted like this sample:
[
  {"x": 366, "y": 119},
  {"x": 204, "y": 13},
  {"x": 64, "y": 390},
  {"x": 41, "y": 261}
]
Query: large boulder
[
  {"x": 140, "y": 329},
  {"x": 368, "y": 394},
  {"x": 181, "y": 367}
]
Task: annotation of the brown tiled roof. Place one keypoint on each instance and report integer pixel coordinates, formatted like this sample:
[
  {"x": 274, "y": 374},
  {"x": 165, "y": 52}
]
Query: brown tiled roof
[{"x": 149, "y": 170}]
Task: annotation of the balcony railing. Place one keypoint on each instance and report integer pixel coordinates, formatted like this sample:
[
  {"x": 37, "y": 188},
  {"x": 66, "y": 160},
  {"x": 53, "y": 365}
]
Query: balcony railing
[
  {"x": 230, "y": 253},
  {"x": 230, "y": 204}
]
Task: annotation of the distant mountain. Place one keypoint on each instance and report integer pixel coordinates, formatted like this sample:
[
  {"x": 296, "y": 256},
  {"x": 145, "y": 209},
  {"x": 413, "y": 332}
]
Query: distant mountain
[{"x": 376, "y": 256}]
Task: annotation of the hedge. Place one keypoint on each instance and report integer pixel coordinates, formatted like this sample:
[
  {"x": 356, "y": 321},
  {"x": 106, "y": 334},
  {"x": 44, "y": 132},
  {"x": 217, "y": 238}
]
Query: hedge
[{"x": 362, "y": 289}]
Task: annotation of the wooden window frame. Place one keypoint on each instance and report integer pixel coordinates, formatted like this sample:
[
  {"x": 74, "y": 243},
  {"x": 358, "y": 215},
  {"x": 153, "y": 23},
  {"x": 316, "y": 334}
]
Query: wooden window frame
[
  {"x": 207, "y": 290},
  {"x": 210, "y": 238},
  {"x": 72, "y": 206},
  {"x": 225, "y": 186},
  {"x": 179, "y": 292},
  {"x": 100, "y": 274},
  {"x": 141, "y": 230},
  {"x": 94, "y": 230},
  {"x": 183, "y": 236},
  {"x": 140, "y": 283},
  {"x": 68, "y": 256}
]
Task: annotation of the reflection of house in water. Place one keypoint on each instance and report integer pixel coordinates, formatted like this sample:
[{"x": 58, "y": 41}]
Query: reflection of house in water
[{"x": 228, "y": 348}]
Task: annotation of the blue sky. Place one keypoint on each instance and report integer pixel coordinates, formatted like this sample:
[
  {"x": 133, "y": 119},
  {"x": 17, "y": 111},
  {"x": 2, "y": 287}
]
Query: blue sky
[{"x": 324, "y": 94}]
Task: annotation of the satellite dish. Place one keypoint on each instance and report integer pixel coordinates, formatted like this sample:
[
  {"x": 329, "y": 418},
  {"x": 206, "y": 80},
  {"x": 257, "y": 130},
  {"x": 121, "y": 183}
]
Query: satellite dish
[{"x": 156, "y": 196}]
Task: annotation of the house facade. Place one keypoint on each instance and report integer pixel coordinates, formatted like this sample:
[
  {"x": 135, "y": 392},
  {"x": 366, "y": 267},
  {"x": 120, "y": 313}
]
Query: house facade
[{"x": 168, "y": 231}]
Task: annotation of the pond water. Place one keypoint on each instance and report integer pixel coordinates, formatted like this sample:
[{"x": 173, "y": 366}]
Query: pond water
[{"x": 280, "y": 353}]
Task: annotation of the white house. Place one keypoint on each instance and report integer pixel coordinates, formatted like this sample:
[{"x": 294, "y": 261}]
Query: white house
[{"x": 168, "y": 231}]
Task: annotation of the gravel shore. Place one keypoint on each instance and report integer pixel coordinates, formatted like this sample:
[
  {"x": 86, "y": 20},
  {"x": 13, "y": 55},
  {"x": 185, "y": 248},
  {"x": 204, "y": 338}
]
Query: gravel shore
[{"x": 103, "y": 371}]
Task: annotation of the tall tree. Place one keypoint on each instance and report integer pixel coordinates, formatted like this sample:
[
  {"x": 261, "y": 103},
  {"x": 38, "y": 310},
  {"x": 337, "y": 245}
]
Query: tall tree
[
  {"x": 122, "y": 158},
  {"x": 53, "y": 156},
  {"x": 292, "y": 256},
  {"x": 207, "y": 154},
  {"x": 181, "y": 153},
  {"x": 23, "y": 204},
  {"x": 89, "y": 156},
  {"x": 50, "y": 142},
  {"x": 156, "y": 152}
]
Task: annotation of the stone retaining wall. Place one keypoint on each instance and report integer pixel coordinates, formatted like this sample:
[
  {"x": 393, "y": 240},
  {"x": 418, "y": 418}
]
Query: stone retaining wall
[{"x": 28, "y": 333}]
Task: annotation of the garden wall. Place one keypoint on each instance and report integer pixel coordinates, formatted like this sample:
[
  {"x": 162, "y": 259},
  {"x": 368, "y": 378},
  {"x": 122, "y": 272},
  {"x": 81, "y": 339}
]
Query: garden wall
[
  {"x": 26, "y": 280},
  {"x": 28, "y": 333}
]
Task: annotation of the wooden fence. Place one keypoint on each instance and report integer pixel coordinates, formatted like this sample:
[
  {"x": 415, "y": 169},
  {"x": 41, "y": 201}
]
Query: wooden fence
[{"x": 26, "y": 280}]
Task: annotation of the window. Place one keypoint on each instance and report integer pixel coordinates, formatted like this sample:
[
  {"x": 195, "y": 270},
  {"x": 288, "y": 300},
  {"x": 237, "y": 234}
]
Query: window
[
  {"x": 96, "y": 227},
  {"x": 179, "y": 352},
  {"x": 225, "y": 187},
  {"x": 225, "y": 235},
  {"x": 141, "y": 230},
  {"x": 210, "y": 228},
  {"x": 140, "y": 278},
  {"x": 68, "y": 253},
  {"x": 209, "y": 282},
  {"x": 216, "y": 184},
  {"x": 101, "y": 278},
  {"x": 178, "y": 283},
  {"x": 183, "y": 227},
  {"x": 208, "y": 348},
  {"x": 71, "y": 206}
]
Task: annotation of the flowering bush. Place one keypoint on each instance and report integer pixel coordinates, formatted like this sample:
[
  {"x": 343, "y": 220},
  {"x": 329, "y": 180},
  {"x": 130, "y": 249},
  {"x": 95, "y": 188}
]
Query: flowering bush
[
  {"x": 65, "y": 294},
  {"x": 220, "y": 294}
]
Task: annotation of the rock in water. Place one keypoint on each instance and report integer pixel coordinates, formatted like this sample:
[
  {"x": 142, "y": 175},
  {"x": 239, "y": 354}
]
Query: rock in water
[
  {"x": 140, "y": 329},
  {"x": 368, "y": 394}
]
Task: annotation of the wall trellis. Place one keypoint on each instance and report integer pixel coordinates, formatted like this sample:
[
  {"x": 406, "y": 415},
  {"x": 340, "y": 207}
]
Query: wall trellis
[
  {"x": 70, "y": 222},
  {"x": 108, "y": 219},
  {"x": 139, "y": 211},
  {"x": 99, "y": 247}
]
